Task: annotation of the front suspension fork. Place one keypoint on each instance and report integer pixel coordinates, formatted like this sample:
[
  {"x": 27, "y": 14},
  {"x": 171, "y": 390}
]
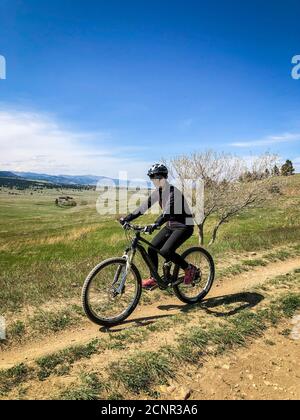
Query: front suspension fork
[{"x": 129, "y": 259}]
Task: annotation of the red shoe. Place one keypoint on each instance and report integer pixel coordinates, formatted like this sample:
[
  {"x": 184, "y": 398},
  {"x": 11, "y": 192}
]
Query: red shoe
[
  {"x": 149, "y": 284},
  {"x": 190, "y": 274}
]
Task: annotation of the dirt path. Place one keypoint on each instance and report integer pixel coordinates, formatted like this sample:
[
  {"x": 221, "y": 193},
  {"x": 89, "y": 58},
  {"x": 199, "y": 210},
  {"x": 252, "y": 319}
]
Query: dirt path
[
  {"x": 87, "y": 331},
  {"x": 247, "y": 374}
]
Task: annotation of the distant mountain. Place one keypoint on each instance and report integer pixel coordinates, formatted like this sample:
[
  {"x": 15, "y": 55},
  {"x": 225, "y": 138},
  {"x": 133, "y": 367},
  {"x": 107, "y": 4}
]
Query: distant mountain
[
  {"x": 77, "y": 179},
  {"x": 61, "y": 179},
  {"x": 6, "y": 174}
]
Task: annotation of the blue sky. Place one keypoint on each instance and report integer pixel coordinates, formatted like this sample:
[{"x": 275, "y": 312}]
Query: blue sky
[{"x": 96, "y": 86}]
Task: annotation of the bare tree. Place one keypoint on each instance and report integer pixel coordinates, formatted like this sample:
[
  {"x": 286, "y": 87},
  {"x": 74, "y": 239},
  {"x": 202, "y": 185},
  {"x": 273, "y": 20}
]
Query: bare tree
[
  {"x": 215, "y": 170},
  {"x": 239, "y": 196},
  {"x": 227, "y": 192}
]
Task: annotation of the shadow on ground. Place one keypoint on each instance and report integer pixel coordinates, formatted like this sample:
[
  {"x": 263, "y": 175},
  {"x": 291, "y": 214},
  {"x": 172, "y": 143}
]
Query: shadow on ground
[
  {"x": 133, "y": 323},
  {"x": 221, "y": 306},
  {"x": 228, "y": 305}
]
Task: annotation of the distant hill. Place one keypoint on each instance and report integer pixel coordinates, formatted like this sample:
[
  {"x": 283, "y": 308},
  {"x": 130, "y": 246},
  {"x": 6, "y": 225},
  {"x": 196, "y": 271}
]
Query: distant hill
[
  {"x": 22, "y": 184},
  {"x": 71, "y": 180},
  {"x": 6, "y": 174},
  {"x": 61, "y": 179}
]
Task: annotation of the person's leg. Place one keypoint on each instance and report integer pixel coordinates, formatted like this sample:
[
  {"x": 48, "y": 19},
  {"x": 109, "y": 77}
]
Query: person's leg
[
  {"x": 177, "y": 238},
  {"x": 158, "y": 241}
]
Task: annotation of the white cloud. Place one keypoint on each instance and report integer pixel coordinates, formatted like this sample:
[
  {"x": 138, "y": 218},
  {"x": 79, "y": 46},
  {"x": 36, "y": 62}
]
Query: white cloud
[
  {"x": 283, "y": 138},
  {"x": 36, "y": 142}
]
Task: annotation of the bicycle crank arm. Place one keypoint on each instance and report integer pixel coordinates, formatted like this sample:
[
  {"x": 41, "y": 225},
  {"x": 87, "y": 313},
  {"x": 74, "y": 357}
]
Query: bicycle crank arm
[
  {"x": 163, "y": 285},
  {"x": 178, "y": 281}
]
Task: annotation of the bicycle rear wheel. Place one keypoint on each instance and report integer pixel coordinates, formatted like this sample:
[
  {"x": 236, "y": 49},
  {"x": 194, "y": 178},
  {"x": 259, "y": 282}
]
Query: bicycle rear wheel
[
  {"x": 196, "y": 291},
  {"x": 103, "y": 301}
]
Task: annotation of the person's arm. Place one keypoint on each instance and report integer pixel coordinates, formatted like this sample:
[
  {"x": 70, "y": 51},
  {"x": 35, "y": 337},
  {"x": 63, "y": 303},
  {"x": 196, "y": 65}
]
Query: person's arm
[{"x": 152, "y": 199}]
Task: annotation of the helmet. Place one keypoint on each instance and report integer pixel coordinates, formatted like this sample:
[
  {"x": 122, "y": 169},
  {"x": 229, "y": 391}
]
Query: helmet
[{"x": 158, "y": 170}]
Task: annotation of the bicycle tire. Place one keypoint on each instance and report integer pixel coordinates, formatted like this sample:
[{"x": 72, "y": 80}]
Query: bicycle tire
[
  {"x": 85, "y": 294},
  {"x": 209, "y": 283}
]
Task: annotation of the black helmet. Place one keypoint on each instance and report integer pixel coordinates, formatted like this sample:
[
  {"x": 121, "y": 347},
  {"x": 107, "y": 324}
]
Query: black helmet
[{"x": 158, "y": 170}]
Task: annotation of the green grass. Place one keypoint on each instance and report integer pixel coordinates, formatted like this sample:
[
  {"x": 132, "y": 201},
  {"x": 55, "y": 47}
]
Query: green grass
[
  {"x": 44, "y": 249},
  {"x": 254, "y": 263},
  {"x": 88, "y": 390},
  {"x": 141, "y": 371},
  {"x": 42, "y": 322},
  {"x": 124, "y": 338},
  {"x": 17, "y": 330},
  {"x": 246, "y": 265},
  {"x": 13, "y": 377},
  {"x": 216, "y": 339},
  {"x": 289, "y": 304},
  {"x": 49, "y": 321},
  {"x": 60, "y": 363},
  {"x": 46, "y": 321},
  {"x": 278, "y": 255}
]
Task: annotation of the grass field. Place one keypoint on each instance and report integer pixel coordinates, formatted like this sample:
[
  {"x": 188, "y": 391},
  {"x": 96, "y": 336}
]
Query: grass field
[{"x": 46, "y": 252}]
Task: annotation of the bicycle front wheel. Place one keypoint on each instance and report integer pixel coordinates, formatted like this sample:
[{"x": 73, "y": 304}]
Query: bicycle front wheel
[
  {"x": 109, "y": 294},
  {"x": 196, "y": 291}
]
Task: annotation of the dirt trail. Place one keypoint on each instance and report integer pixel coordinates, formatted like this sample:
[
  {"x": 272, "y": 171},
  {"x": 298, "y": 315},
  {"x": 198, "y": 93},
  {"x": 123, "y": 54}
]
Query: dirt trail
[
  {"x": 246, "y": 374},
  {"x": 88, "y": 331}
]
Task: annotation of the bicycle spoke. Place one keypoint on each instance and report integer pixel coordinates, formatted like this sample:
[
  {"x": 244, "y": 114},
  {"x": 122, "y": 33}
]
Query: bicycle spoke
[
  {"x": 201, "y": 281},
  {"x": 104, "y": 298}
]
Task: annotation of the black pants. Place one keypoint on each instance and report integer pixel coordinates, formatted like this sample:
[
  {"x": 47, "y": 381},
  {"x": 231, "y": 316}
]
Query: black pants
[{"x": 167, "y": 241}]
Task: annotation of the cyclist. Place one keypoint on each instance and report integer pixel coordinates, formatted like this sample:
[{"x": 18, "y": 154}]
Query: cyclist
[{"x": 179, "y": 227}]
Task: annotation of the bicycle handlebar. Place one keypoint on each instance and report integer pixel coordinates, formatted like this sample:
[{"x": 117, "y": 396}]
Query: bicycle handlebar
[{"x": 136, "y": 228}]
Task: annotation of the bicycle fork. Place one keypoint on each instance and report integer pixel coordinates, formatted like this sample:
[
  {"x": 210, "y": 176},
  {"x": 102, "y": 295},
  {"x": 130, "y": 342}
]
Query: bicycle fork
[{"x": 129, "y": 258}]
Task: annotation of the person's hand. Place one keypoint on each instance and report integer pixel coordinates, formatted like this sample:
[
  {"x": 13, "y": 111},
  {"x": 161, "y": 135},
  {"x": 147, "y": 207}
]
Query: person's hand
[
  {"x": 126, "y": 219},
  {"x": 151, "y": 228},
  {"x": 124, "y": 222}
]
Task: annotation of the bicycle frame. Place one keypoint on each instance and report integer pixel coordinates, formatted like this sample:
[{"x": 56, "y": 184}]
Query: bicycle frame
[{"x": 135, "y": 245}]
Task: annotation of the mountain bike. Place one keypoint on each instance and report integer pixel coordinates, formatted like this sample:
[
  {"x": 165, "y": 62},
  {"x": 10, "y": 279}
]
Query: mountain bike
[{"x": 113, "y": 288}]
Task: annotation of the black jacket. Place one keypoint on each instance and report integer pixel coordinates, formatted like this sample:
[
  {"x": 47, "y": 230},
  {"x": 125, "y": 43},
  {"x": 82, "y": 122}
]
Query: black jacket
[{"x": 175, "y": 209}]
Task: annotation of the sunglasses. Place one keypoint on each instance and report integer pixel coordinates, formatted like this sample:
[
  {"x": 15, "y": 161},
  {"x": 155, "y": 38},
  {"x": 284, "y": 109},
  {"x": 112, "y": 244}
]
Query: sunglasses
[{"x": 156, "y": 177}]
